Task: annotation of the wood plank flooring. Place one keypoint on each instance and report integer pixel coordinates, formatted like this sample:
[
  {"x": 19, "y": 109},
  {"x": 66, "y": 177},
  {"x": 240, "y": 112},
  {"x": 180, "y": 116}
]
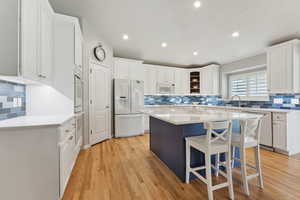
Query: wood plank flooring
[{"x": 125, "y": 169}]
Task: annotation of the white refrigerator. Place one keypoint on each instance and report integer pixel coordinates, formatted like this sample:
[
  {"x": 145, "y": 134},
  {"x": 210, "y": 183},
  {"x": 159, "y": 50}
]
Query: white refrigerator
[{"x": 128, "y": 103}]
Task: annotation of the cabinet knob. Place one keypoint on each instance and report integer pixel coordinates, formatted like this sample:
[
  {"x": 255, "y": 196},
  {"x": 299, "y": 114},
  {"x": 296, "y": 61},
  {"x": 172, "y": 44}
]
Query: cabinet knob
[{"x": 71, "y": 137}]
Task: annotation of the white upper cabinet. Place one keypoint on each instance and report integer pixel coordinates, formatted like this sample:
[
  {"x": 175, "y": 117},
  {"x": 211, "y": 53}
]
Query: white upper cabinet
[
  {"x": 150, "y": 79},
  {"x": 30, "y": 38},
  {"x": 64, "y": 54},
  {"x": 283, "y": 67},
  {"x": 45, "y": 66},
  {"x": 165, "y": 75},
  {"x": 209, "y": 80},
  {"x": 78, "y": 44},
  {"x": 128, "y": 69},
  {"x": 181, "y": 81},
  {"x": 29, "y": 34}
]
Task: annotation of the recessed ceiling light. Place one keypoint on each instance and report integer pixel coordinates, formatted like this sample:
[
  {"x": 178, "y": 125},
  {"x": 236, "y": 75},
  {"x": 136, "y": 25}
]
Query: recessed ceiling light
[
  {"x": 197, "y": 4},
  {"x": 164, "y": 44},
  {"x": 235, "y": 34},
  {"x": 195, "y": 53},
  {"x": 125, "y": 37}
]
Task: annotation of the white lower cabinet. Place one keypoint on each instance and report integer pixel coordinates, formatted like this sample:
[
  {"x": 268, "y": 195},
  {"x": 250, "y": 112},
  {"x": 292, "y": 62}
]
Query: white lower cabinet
[
  {"x": 286, "y": 135},
  {"x": 68, "y": 153}
]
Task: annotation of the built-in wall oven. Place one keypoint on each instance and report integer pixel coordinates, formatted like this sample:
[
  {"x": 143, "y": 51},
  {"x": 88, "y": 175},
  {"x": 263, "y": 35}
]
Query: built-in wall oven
[{"x": 78, "y": 92}]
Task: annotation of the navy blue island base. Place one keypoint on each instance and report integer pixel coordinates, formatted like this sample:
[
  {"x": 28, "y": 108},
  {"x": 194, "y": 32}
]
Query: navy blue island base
[{"x": 167, "y": 142}]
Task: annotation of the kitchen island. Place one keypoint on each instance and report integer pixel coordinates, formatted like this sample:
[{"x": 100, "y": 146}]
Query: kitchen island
[{"x": 170, "y": 126}]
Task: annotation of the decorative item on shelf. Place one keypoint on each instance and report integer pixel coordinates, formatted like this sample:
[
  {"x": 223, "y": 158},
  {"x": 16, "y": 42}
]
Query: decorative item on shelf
[
  {"x": 195, "y": 103},
  {"x": 99, "y": 53}
]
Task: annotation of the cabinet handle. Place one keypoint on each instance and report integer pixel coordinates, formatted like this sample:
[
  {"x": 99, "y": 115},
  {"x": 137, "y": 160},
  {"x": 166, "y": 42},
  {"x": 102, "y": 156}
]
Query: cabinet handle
[
  {"x": 71, "y": 137},
  {"x": 67, "y": 131}
]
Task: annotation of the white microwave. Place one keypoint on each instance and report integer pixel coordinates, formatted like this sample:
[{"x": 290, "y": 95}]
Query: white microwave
[{"x": 165, "y": 88}]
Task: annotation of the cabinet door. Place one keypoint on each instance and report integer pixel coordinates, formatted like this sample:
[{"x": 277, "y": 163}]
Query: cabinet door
[
  {"x": 266, "y": 130},
  {"x": 170, "y": 75},
  {"x": 29, "y": 38},
  {"x": 280, "y": 61},
  {"x": 161, "y": 75},
  {"x": 121, "y": 69},
  {"x": 46, "y": 42},
  {"x": 215, "y": 79},
  {"x": 150, "y": 79},
  {"x": 78, "y": 45},
  {"x": 136, "y": 71},
  {"x": 279, "y": 135}
]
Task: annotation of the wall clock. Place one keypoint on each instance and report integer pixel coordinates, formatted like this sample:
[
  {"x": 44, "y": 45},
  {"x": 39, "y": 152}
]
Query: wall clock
[{"x": 99, "y": 53}]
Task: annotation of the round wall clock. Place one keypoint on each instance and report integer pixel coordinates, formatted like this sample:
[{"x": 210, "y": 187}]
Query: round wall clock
[{"x": 99, "y": 53}]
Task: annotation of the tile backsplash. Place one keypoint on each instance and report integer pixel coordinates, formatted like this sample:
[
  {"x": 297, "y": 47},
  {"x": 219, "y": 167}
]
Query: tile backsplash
[
  {"x": 278, "y": 101},
  {"x": 12, "y": 100}
]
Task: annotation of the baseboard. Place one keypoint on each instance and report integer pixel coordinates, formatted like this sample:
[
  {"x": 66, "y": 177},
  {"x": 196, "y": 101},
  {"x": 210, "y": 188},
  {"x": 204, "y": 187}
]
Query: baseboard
[{"x": 86, "y": 146}]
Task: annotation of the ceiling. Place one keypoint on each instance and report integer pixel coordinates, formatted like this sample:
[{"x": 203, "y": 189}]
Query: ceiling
[{"x": 186, "y": 29}]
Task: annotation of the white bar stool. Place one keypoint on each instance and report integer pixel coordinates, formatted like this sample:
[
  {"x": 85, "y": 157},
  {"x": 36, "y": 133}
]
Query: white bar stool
[
  {"x": 249, "y": 138},
  {"x": 212, "y": 143}
]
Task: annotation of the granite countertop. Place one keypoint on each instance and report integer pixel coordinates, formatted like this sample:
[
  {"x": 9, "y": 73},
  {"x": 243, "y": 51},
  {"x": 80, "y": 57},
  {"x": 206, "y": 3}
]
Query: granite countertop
[
  {"x": 33, "y": 121},
  {"x": 190, "y": 115},
  {"x": 250, "y": 109}
]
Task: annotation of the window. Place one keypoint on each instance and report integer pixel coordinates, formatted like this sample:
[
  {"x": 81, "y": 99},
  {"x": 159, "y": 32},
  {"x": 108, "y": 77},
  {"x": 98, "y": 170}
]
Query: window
[{"x": 249, "y": 86}]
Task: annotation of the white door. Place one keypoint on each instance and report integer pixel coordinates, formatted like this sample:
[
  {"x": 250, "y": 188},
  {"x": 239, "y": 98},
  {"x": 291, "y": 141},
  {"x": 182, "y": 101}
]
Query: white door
[{"x": 99, "y": 89}]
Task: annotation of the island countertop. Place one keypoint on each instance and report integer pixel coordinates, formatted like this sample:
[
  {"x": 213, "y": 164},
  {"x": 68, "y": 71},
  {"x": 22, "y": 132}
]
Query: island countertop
[{"x": 193, "y": 115}]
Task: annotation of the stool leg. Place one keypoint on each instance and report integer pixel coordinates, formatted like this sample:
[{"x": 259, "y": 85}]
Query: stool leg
[
  {"x": 217, "y": 163},
  {"x": 244, "y": 170},
  {"x": 187, "y": 160},
  {"x": 258, "y": 166},
  {"x": 208, "y": 176},
  {"x": 233, "y": 156},
  {"x": 229, "y": 175}
]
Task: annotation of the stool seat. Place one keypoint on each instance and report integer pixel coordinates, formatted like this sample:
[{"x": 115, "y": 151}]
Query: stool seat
[
  {"x": 248, "y": 141},
  {"x": 200, "y": 143}
]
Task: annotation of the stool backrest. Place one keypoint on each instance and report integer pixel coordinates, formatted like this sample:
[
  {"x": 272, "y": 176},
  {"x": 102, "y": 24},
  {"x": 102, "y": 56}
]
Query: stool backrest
[
  {"x": 251, "y": 128},
  {"x": 218, "y": 131}
]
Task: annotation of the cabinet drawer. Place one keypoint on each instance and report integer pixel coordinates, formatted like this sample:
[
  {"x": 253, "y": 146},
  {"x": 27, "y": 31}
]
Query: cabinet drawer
[
  {"x": 66, "y": 129},
  {"x": 279, "y": 116}
]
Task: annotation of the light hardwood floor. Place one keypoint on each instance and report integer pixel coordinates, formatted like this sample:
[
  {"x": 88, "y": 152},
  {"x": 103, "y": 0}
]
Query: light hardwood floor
[{"x": 125, "y": 169}]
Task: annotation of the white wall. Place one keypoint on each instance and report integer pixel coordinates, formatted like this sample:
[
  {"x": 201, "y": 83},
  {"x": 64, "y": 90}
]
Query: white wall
[
  {"x": 249, "y": 63},
  {"x": 91, "y": 39},
  {"x": 45, "y": 100}
]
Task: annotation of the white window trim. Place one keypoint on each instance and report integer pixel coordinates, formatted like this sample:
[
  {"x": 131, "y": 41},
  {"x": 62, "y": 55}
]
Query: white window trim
[{"x": 246, "y": 98}]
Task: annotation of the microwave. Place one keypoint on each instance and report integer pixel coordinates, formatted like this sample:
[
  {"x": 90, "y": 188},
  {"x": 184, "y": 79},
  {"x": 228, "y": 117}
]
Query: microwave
[{"x": 165, "y": 88}]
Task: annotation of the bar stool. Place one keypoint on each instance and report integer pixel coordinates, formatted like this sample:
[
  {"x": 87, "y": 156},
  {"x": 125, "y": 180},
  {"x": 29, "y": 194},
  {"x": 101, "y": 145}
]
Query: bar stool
[
  {"x": 249, "y": 138},
  {"x": 217, "y": 140}
]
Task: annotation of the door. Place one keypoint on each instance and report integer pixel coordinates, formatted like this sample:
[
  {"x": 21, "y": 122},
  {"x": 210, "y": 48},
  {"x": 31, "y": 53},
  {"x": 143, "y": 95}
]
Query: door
[
  {"x": 150, "y": 79},
  {"x": 29, "y": 38},
  {"x": 99, "y": 88},
  {"x": 280, "y": 69},
  {"x": 46, "y": 41},
  {"x": 279, "y": 135},
  {"x": 137, "y": 96},
  {"x": 122, "y": 96}
]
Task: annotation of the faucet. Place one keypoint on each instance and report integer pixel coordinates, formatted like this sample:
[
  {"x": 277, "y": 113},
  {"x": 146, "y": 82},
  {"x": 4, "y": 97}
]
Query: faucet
[{"x": 239, "y": 99}]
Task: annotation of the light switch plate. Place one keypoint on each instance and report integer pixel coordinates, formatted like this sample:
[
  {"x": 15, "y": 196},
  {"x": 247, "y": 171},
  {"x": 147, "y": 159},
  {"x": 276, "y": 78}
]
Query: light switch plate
[
  {"x": 295, "y": 101},
  {"x": 278, "y": 101}
]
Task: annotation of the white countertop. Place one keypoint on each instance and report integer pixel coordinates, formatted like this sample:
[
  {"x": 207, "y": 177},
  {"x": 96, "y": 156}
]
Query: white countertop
[
  {"x": 192, "y": 115},
  {"x": 250, "y": 109},
  {"x": 32, "y": 121}
]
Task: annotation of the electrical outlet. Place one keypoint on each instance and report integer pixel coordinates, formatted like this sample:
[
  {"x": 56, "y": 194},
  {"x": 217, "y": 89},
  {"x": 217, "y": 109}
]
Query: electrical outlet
[
  {"x": 15, "y": 102},
  {"x": 278, "y": 101},
  {"x": 295, "y": 101}
]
